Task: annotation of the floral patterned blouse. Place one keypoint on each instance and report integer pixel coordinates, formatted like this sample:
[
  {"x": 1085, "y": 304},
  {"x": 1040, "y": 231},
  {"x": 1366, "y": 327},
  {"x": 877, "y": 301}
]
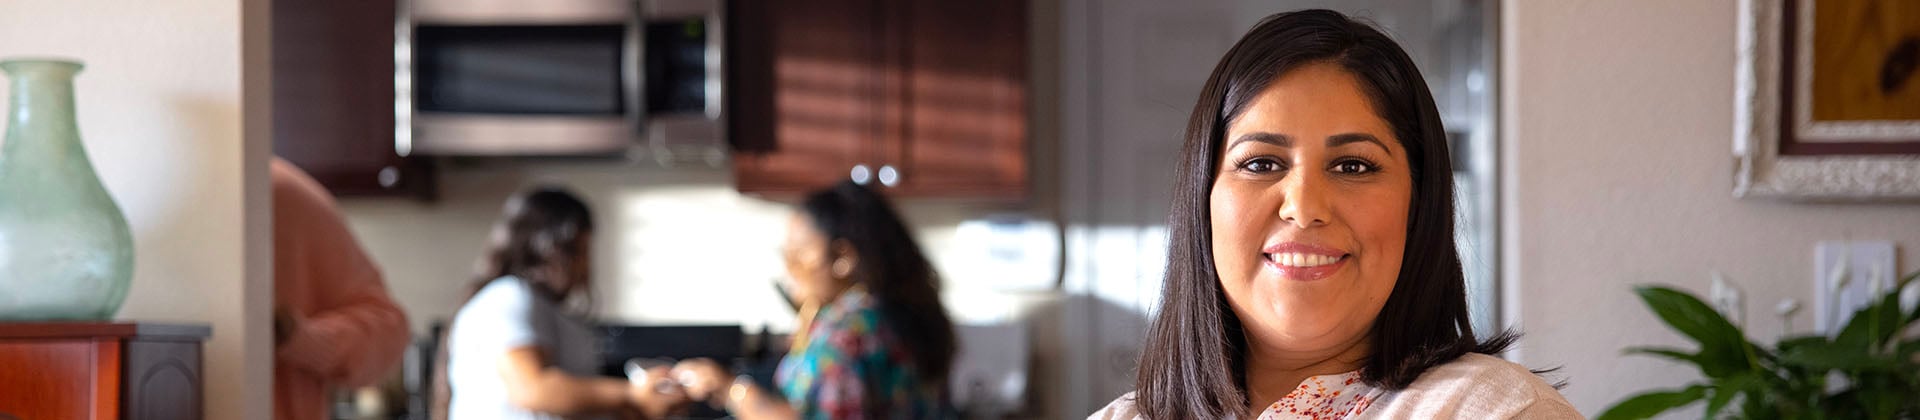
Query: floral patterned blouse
[
  {"x": 1325, "y": 397},
  {"x": 851, "y": 365}
]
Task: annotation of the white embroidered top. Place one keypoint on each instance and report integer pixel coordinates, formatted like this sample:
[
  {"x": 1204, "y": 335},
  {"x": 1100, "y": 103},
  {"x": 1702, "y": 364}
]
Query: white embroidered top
[{"x": 1474, "y": 386}]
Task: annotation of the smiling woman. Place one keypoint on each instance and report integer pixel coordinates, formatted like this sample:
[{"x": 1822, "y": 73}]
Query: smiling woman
[{"x": 1313, "y": 272}]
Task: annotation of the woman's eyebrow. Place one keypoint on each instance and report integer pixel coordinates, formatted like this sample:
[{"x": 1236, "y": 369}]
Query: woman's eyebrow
[
  {"x": 1338, "y": 140},
  {"x": 1264, "y": 137}
]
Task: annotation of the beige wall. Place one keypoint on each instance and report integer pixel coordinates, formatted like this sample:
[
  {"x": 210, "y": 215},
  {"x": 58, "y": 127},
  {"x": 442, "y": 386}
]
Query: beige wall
[
  {"x": 160, "y": 109},
  {"x": 1617, "y": 147}
]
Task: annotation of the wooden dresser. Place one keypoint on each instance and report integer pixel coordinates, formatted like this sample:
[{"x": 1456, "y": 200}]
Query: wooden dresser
[{"x": 100, "y": 371}]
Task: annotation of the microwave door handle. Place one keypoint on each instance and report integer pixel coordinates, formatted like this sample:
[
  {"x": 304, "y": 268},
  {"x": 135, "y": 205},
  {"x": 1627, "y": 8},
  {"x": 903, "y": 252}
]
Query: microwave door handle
[
  {"x": 632, "y": 75},
  {"x": 716, "y": 61}
]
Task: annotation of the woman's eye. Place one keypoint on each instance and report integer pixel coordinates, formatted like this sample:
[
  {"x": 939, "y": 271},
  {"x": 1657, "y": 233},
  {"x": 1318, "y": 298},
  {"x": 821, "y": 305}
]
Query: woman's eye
[
  {"x": 1260, "y": 165},
  {"x": 1354, "y": 167}
]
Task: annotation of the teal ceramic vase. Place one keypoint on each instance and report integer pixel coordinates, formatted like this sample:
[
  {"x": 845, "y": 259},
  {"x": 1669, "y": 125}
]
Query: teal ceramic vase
[{"x": 65, "y": 250}]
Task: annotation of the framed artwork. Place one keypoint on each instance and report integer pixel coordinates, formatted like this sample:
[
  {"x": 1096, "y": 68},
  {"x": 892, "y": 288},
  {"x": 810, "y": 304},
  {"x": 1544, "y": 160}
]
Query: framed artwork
[{"x": 1827, "y": 103}]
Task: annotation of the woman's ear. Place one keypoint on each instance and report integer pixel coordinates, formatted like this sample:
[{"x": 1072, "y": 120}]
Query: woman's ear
[{"x": 844, "y": 259}]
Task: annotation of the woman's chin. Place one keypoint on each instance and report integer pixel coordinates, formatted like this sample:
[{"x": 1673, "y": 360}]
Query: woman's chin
[{"x": 1303, "y": 320}]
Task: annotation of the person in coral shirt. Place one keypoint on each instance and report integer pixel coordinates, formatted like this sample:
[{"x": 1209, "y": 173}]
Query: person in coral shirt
[{"x": 334, "y": 325}]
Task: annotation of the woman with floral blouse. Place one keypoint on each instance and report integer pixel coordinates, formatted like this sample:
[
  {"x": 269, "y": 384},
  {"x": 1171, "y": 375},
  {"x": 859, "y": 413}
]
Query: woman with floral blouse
[{"x": 873, "y": 340}]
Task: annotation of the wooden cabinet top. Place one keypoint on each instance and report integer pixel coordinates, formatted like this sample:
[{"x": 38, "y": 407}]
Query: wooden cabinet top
[{"x": 139, "y": 330}]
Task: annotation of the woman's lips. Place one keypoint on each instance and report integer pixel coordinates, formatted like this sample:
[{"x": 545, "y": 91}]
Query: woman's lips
[{"x": 1304, "y": 262}]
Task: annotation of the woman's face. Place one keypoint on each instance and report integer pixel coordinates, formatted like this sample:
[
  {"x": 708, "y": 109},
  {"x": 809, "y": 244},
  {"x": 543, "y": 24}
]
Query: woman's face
[
  {"x": 1309, "y": 211},
  {"x": 807, "y": 260},
  {"x": 580, "y": 270}
]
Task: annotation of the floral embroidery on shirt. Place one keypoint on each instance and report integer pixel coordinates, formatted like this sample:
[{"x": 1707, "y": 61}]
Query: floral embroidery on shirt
[{"x": 1324, "y": 397}]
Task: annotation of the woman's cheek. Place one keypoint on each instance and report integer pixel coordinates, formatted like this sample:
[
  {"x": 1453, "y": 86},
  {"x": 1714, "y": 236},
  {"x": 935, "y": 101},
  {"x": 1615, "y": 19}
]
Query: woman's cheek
[{"x": 1236, "y": 235}]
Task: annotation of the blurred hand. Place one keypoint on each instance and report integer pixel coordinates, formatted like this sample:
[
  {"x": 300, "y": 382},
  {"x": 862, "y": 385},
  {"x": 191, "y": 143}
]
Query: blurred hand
[
  {"x": 284, "y": 324},
  {"x": 629, "y": 413},
  {"x": 658, "y": 396},
  {"x": 702, "y": 378}
]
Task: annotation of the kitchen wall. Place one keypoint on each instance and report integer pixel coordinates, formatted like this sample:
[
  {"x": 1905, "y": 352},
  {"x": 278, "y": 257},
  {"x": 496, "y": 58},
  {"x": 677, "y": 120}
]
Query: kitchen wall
[
  {"x": 1619, "y": 126},
  {"x": 167, "y": 121}
]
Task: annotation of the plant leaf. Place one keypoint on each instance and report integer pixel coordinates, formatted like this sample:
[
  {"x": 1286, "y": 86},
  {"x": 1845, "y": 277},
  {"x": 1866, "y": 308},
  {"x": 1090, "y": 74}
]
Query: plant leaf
[
  {"x": 1878, "y": 395},
  {"x": 1723, "y": 348},
  {"x": 1648, "y": 404},
  {"x": 1856, "y": 333},
  {"x": 1872, "y": 326},
  {"x": 1670, "y": 353},
  {"x": 1902, "y": 286},
  {"x": 1821, "y": 357},
  {"x": 1790, "y": 343},
  {"x": 1724, "y": 390},
  {"x": 1888, "y": 320}
]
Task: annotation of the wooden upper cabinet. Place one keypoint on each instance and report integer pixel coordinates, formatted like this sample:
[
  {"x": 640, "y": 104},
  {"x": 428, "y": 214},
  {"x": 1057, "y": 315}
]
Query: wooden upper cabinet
[
  {"x": 964, "y": 100},
  {"x": 333, "y": 97},
  {"x": 804, "y": 89},
  {"x": 928, "y": 96}
]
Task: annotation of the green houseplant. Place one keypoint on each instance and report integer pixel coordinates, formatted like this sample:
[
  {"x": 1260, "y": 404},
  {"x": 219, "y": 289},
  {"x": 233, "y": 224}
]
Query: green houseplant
[{"x": 1867, "y": 371}]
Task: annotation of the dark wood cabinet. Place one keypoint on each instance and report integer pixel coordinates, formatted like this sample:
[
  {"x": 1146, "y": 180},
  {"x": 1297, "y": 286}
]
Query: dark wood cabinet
[
  {"x": 333, "y": 97},
  {"x": 925, "y": 98},
  {"x": 965, "y": 124},
  {"x": 100, "y": 371},
  {"x": 804, "y": 92}
]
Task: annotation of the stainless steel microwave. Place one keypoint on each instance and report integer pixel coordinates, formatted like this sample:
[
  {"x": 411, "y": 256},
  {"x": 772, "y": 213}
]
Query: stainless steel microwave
[{"x": 561, "y": 78}]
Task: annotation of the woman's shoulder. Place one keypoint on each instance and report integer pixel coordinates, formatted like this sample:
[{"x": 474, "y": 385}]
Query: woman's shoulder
[
  {"x": 855, "y": 310},
  {"x": 506, "y": 296},
  {"x": 1120, "y": 409},
  {"x": 506, "y": 290},
  {"x": 1476, "y": 386},
  {"x": 1482, "y": 368}
]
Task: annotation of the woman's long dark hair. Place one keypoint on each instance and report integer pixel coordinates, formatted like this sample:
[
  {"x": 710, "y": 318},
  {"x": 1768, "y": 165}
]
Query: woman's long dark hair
[
  {"x": 1194, "y": 362},
  {"x": 538, "y": 238},
  {"x": 893, "y": 270}
]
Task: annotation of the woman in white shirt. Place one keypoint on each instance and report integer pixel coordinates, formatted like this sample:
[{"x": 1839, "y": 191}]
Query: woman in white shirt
[
  {"x": 1313, "y": 272},
  {"x": 513, "y": 351}
]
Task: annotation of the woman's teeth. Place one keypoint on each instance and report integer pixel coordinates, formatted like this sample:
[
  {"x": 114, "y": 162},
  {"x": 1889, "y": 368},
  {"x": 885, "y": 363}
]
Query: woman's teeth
[{"x": 1302, "y": 260}]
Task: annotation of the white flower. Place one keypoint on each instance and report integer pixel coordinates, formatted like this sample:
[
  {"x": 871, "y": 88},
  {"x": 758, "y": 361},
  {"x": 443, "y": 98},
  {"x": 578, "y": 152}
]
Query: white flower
[{"x": 1785, "y": 309}]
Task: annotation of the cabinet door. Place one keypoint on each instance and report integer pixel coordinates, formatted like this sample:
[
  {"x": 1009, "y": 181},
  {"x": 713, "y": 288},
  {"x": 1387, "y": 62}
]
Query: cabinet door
[
  {"x": 59, "y": 379},
  {"x": 804, "y": 88},
  {"x": 163, "y": 380},
  {"x": 333, "y": 96},
  {"x": 963, "y": 99}
]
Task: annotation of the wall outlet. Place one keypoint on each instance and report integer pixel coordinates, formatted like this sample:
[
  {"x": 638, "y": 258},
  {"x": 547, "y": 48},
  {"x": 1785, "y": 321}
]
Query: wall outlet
[{"x": 1847, "y": 276}]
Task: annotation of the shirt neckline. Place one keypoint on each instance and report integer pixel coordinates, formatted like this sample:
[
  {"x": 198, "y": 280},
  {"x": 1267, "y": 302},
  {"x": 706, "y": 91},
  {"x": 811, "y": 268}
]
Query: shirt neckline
[{"x": 1339, "y": 395}]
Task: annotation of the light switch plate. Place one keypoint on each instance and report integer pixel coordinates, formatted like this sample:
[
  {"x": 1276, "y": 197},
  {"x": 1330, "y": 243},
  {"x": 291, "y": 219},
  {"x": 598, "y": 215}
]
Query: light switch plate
[{"x": 1839, "y": 292}]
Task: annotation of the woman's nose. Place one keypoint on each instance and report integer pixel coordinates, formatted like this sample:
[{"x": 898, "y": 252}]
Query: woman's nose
[{"x": 1304, "y": 200}]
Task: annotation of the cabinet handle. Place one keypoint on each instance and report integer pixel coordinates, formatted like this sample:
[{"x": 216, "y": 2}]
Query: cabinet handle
[
  {"x": 861, "y": 175},
  {"x": 888, "y": 176},
  {"x": 389, "y": 177}
]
